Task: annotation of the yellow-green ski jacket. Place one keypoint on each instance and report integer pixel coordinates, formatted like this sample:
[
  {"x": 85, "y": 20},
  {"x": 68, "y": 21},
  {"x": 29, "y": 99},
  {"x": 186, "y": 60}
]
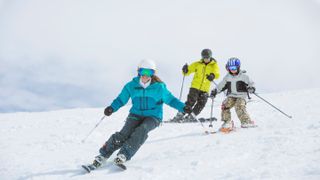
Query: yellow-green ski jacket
[{"x": 201, "y": 70}]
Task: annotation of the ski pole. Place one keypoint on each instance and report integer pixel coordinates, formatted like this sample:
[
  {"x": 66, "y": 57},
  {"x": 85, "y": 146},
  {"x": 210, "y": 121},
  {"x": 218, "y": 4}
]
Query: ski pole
[
  {"x": 207, "y": 131},
  {"x": 195, "y": 117},
  {"x": 182, "y": 87},
  {"x": 273, "y": 106},
  {"x": 93, "y": 129},
  {"x": 211, "y": 110},
  {"x": 211, "y": 113}
]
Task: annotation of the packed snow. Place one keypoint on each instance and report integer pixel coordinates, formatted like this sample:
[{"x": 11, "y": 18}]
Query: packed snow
[{"x": 47, "y": 145}]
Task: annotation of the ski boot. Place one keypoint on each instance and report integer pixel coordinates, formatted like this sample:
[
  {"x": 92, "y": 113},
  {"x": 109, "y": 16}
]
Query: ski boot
[
  {"x": 227, "y": 127},
  {"x": 98, "y": 162},
  {"x": 190, "y": 119},
  {"x": 178, "y": 118},
  {"x": 120, "y": 160}
]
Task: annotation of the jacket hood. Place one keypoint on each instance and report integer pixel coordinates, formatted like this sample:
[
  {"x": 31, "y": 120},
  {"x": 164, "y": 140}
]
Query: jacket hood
[{"x": 212, "y": 61}]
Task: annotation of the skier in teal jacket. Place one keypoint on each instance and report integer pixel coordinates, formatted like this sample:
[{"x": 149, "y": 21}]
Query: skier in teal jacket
[
  {"x": 146, "y": 101},
  {"x": 147, "y": 93}
]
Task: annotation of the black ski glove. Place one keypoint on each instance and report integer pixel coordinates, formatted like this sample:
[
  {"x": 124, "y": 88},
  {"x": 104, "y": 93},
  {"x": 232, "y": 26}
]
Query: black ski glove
[
  {"x": 251, "y": 89},
  {"x": 187, "y": 109},
  {"x": 185, "y": 69},
  {"x": 214, "y": 93},
  {"x": 211, "y": 77},
  {"x": 108, "y": 111}
]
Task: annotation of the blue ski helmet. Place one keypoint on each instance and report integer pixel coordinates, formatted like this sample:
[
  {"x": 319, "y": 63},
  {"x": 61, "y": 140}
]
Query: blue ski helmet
[{"x": 233, "y": 64}]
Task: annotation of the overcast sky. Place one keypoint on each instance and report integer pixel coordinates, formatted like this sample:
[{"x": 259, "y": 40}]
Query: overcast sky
[{"x": 79, "y": 53}]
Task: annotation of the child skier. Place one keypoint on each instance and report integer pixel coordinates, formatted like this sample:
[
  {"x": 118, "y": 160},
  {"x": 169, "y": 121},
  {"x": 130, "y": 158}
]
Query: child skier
[
  {"x": 147, "y": 93},
  {"x": 238, "y": 85},
  {"x": 205, "y": 71}
]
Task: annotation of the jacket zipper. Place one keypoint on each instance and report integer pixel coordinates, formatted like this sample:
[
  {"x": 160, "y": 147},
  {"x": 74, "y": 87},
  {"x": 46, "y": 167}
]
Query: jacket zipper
[
  {"x": 142, "y": 103},
  {"x": 204, "y": 73},
  {"x": 146, "y": 100}
]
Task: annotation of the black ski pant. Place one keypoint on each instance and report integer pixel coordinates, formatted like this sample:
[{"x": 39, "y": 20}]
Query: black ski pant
[
  {"x": 197, "y": 100},
  {"x": 130, "y": 138}
]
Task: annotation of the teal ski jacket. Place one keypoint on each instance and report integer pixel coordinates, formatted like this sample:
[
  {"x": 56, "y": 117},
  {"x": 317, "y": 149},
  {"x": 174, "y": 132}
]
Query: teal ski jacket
[{"x": 147, "y": 101}]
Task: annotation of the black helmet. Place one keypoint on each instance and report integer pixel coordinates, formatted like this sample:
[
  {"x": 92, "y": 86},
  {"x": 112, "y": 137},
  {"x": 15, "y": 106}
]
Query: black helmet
[{"x": 206, "y": 53}]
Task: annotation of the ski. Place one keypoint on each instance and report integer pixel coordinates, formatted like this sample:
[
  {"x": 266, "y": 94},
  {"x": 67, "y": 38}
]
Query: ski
[
  {"x": 221, "y": 130},
  {"x": 252, "y": 126},
  {"x": 121, "y": 166},
  {"x": 227, "y": 130},
  {"x": 88, "y": 168},
  {"x": 207, "y": 119},
  {"x": 186, "y": 120},
  {"x": 210, "y": 132},
  {"x": 171, "y": 121}
]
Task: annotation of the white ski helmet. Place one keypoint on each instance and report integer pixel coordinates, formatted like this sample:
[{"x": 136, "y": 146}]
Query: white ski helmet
[{"x": 147, "y": 64}]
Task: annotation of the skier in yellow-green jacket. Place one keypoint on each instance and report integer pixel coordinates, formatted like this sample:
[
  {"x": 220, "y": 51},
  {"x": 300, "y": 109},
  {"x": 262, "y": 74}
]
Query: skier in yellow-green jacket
[{"x": 205, "y": 71}]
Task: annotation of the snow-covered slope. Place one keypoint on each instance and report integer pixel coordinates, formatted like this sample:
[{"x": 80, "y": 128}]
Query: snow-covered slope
[{"x": 48, "y": 145}]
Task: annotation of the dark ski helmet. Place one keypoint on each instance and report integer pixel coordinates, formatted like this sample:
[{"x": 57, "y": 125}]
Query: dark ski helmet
[{"x": 206, "y": 53}]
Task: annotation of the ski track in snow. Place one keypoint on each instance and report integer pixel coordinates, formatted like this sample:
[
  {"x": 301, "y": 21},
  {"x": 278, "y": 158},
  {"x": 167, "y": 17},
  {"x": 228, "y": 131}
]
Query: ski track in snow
[{"x": 47, "y": 145}]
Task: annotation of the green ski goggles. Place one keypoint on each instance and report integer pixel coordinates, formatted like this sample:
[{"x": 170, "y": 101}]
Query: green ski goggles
[{"x": 145, "y": 72}]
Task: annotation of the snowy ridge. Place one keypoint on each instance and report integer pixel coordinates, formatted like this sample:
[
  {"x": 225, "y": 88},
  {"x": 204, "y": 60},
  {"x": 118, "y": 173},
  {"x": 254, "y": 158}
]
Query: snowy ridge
[{"x": 47, "y": 145}]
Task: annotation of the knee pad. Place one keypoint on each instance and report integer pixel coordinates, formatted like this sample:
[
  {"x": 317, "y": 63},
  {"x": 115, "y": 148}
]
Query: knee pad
[{"x": 223, "y": 107}]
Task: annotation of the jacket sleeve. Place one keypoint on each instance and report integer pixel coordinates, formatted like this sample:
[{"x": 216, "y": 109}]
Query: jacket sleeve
[
  {"x": 222, "y": 84},
  {"x": 191, "y": 68},
  {"x": 122, "y": 99},
  {"x": 172, "y": 101}
]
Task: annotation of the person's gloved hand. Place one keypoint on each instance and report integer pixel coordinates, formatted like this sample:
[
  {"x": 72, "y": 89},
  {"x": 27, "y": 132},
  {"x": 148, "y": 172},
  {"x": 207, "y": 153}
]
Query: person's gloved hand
[
  {"x": 185, "y": 69},
  {"x": 108, "y": 111},
  {"x": 187, "y": 109},
  {"x": 251, "y": 89},
  {"x": 214, "y": 92},
  {"x": 211, "y": 77}
]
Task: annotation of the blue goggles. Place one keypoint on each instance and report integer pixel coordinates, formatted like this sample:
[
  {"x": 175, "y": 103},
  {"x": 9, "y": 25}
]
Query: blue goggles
[
  {"x": 145, "y": 72},
  {"x": 233, "y": 68}
]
